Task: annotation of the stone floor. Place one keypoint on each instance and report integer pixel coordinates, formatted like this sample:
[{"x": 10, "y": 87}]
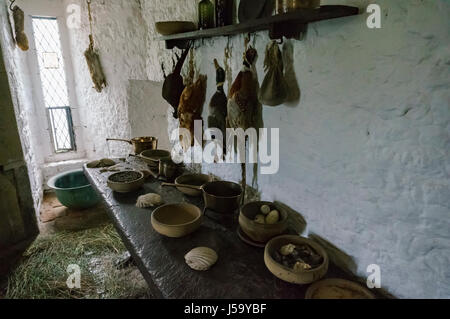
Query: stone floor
[{"x": 55, "y": 217}]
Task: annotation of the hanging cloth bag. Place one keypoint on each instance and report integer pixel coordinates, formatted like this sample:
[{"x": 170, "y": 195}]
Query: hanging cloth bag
[
  {"x": 274, "y": 89},
  {"x": 93, "y": 59}
]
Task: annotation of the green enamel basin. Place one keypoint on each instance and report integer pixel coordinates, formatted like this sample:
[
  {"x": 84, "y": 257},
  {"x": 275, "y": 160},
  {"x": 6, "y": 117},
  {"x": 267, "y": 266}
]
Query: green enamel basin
[{"x": 73, "y": 190}]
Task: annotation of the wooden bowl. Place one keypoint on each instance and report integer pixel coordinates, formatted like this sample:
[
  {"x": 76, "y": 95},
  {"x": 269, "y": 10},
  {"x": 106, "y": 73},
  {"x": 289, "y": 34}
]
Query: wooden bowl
[
  {"x": 126, "y": 187},
  {"x": 177, "y": 220},
  {"x": 287, "y": 274},
  {"x": 337, "y": 289},
  {"x": 174, "y": 27},
  {"x": 195, "y": 180},
  {"x": 260, "y": 232}
]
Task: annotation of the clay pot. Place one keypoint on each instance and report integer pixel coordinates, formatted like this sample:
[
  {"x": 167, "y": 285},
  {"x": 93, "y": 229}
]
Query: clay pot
[
  {"x": 195, "y": 180},
  {"x": 260, "y": 232},
  {"x": 289, "y": 275},
  {"x": 126, "y": 187},
  {"x": 326, "y": 289},
  {"x": 177, "y": 220}
]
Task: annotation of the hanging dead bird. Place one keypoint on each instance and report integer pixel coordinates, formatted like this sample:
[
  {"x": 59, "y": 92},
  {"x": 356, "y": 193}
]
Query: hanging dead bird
[
  {"x": 19, "y": 28},
  {"x": 93, "y": 59},
  {"x": 218, "y": 105},
  {"x": 244, "y": 109},
  {"x": 191, "y": 107},
  {"x": 243, "y": 103},
  {"x": 173, "y": 84},
  {"x": 274, "y": 89}
]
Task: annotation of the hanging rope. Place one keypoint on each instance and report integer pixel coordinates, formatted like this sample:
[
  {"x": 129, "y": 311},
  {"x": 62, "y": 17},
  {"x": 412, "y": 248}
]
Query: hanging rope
[
  {"x": 11, "y": 5},
  {"x": 91, "y": 37}
]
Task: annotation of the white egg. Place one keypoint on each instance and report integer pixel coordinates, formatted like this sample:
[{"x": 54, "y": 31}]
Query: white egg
[
  {"x": 273, "y": 217},
  {"x": 265, "y": 209}
]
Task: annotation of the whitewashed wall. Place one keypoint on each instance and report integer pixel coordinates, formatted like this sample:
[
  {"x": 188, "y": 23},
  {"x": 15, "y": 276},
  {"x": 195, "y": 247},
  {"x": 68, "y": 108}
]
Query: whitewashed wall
[
  {"x": 365, "y": 153},
  {"x": 16, "y": 64},
  {"x": 120, "y": 35}
]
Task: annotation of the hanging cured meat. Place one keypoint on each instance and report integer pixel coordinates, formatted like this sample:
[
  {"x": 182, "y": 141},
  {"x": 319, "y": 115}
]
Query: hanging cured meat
[
  {"x": 93, "y": 59},
  {"x": 19, "y": 28},
  {"x": 274, "y": 89},
  {"x": 173, "y": 84},
  {"x": 218, "y": 105},
  {"x": 243, "y": 104},
  {"x": 191, "y": 107}
]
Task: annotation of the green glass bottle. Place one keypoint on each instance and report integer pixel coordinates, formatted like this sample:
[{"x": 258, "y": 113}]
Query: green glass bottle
[{"x": 206, "y": 14}]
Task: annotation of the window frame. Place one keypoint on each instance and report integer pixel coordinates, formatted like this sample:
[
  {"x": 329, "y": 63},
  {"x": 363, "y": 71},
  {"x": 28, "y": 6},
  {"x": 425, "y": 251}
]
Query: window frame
[{"x": 50, "y": 118}]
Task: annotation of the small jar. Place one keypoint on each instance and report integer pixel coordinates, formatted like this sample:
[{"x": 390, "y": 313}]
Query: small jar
[
  {"x": 280, "y": 6},
  {"x": 293, "y": 5}
]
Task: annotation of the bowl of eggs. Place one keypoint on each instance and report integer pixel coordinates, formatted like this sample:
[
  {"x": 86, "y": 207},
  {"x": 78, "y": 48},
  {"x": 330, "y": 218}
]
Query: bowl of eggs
[{"x": 261, "y": 221}]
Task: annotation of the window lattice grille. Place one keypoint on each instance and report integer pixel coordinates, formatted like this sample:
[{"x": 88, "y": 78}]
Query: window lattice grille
[{"x": 53, "y": 80}]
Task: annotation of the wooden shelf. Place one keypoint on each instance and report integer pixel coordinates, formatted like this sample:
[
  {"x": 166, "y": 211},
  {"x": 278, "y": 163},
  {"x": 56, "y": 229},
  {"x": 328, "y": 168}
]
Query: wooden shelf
[{"x": 289, "y": 25}]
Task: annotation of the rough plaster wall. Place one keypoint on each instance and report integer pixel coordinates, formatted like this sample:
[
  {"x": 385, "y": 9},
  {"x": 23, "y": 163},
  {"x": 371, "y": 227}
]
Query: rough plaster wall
[
  {"x": 365, "y": 153},
  {"x": 120, "y": 35},
  {"x": 17, "y": 69},
  {"x": 147, "y": 111}
]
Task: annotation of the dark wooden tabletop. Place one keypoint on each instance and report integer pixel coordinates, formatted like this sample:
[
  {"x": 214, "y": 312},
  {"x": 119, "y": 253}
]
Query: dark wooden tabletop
[{"x": 240, "y": 272}]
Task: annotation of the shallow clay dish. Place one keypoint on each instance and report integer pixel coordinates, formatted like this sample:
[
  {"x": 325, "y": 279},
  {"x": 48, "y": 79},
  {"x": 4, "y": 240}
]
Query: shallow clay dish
[
  {"x": 174, "y": 27},
  {"x": 337, "y": 289},
  {"x": 152, "y": 157},
  {"x": 177, "y": 220},
  {"x": 260, "y": 232},
  {"x": 126, "y": 181},
  {"x": 287, "y": 274},
  {"x": 194, "y": 180}
]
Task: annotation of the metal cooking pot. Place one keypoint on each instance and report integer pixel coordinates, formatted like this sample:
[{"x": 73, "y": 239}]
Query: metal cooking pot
[
  {"x": 221, "y": 197},
  {"x": 140, "y": 144}
]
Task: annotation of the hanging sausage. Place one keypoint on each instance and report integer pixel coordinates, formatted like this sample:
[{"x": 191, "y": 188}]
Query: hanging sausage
[{"x": 274, "y": 89}]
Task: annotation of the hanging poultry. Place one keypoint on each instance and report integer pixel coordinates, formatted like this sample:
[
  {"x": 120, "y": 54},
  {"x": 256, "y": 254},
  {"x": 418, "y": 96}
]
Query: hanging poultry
[
  {"x": 173, "y": 84},
  {"x": 218, "y": 105},
  {"x": 191, "y": 107},
  {"x": 243, "y": 104},
  {"x": 19, "y": 28}
]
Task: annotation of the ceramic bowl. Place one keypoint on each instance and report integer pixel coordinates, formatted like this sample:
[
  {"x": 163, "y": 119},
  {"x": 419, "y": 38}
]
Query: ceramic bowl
[
  {"x": 126, "y": 187},
  {"x": 260, "y": 232},
  {"x": 286, "y": 274},
  {"x": 330, "y": 289},
  {"x": 194, "y": 180},
  {"x": 152, "y": 157},
  {"x": 174, "y": 27},
  {"x": 176, "y": 220}
]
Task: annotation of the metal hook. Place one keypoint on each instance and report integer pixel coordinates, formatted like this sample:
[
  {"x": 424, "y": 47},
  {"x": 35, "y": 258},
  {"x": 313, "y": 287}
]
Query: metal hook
[
  {"x": 280, "y": 41},
  {"x": 10, "y": 6}
]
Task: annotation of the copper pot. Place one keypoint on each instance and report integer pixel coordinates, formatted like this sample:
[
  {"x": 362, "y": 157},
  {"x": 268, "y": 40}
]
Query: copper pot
[{"x": 140, "y": 144}]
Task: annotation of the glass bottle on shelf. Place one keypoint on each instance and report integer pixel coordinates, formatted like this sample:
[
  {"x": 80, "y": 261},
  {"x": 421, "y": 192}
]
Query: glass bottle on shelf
[
  {"x": 224, "y": 12},
  {"x": 280, "y": 6},
  {"x": 205, "y": 14}
]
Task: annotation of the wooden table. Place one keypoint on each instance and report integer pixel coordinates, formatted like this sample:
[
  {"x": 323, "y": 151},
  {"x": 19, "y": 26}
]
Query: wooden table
[{"x": 240, "y": 272}]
